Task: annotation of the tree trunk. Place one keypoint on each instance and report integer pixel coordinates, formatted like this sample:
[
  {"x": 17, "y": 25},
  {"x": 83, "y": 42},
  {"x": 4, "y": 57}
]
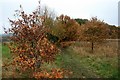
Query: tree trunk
[{"x": 92, "y": 47}]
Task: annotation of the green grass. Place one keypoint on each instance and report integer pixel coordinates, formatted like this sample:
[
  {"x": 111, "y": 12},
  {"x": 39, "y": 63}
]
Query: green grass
[
  {"x": 5, "y": 51},
  {"x": 104, "y": 67}
]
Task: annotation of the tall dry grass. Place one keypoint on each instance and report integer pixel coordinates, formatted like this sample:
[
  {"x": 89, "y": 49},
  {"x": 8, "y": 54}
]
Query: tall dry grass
[{"x": 108, "y": 48}]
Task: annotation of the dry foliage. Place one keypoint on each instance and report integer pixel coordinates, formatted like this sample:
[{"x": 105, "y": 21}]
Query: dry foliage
[
  {"x": 54, "y": 73},
  {"x": 29, "y": 46}
]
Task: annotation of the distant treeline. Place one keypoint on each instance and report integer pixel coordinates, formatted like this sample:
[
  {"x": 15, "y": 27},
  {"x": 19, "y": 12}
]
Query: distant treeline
[
  {"x": 114, "y": 31},
  {"x": 5, "y": 37}
]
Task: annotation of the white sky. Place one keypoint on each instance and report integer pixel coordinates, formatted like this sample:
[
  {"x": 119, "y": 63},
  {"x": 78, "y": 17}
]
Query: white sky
[{"x": 106, "y": 10}]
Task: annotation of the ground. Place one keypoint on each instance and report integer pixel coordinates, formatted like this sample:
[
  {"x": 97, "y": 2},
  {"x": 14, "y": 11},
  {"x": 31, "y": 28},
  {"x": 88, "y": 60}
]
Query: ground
[{"x": 78, "y": 59}]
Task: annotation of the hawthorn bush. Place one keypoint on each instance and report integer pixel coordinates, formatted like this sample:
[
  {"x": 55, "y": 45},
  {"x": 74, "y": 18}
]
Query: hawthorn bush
[{"x": 29, "y": 45}]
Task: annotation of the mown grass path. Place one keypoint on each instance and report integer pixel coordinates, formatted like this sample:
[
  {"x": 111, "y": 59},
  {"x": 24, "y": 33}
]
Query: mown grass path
[
  {"x": 68, "y": 60},
  {"x": 83, "y": 64}
]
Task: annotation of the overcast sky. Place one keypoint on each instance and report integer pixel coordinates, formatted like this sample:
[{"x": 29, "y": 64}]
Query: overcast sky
[{"x": 106, "y": 10}]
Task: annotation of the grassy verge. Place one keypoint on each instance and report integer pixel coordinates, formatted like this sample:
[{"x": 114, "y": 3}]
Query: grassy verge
[{"x": 103, "y": 64}]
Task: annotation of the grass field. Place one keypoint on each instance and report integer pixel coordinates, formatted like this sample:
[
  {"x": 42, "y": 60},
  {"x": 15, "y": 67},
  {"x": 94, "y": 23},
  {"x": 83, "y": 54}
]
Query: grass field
[
  {"x": 103, "y": 63},
  {"x": 5, "y": 51}
]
